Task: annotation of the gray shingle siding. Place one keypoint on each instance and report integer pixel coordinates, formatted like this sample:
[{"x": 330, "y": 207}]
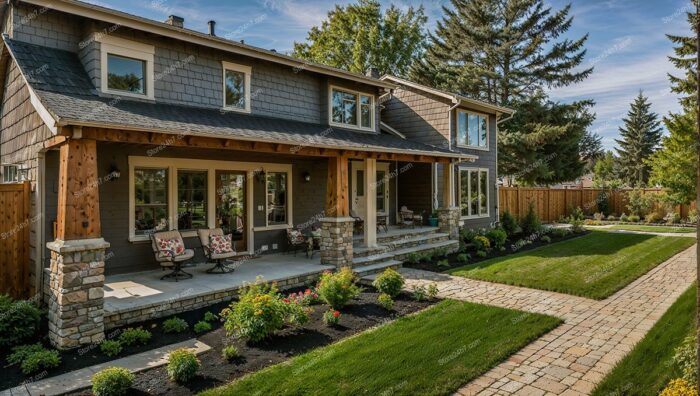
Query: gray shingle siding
[
  {"x": 46, "y": 27},
  {"x": 418, "y": 115},
  {"x": 89, "y": 54}
]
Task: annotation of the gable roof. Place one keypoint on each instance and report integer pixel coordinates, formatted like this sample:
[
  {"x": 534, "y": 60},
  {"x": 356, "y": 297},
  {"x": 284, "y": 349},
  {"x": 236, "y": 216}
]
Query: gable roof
[
  {"x": 63, "y": 88},
  {"x": 456, "y": 98},
  {"x": 120, "y": 18}
]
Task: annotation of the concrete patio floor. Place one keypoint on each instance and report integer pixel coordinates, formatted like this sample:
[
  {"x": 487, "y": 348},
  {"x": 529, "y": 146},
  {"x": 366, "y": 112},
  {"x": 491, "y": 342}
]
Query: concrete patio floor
[{"x": 140, "y": 290}]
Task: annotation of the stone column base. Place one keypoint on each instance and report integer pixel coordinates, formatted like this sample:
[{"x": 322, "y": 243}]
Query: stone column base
[
  {"x": 76, "y": 294},
  {"x": 336, "y": 241},
  {"x": 448, "y": 221}
]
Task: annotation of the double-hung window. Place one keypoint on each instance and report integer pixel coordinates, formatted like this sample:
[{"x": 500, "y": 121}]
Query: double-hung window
[
  {"x": 126, "y": 67},
  {"x": 351, "y": 109},
  {"x": 236, "y": 87},
  {"x": 474, "y": 192},
  {"x": 10, "y": 173},
  {"x": 472, "y": 130},
  {"x": 276, "y": 198},
  {"x": 150, "y": 200}
]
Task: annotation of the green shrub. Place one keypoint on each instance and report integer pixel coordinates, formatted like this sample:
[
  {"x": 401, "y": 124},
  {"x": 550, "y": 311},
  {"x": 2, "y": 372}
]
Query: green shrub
[
  {"x": 602, "y": 202},
  {"x": 639, "y": 203},
  {"x": 685, "y": 357},
  {"x": 560, "y": 232},
  {"x": 331, "y": 317},
  {"x": 426, "y": 257},
  {"x": 612, "y": 218},
  {"x": 40, "y": 360},
  {"x": 229, "y": 352},
  {"x": 468, "y": 234},
  {"x": 389, "y": 282},
  {"x": 672, "y": 218},
  {"x": 653, "y": 218},
  {"x": 633, "y": 218},
  {"x": 210, "y": 317},
  {"x": 182, "y": 365},
  {"x": 577, "y": 214},
  {"x": 600, "y": 216},
  {"x": 693, "y": 216},
  {"x": 432, "y": 291},
  {"x": 440, "y": 252},
  {"x": 175, "y": 325},
  {"x": 480, "y": 242},
  {"x": 624, "y": 218},
  {"x": 202, "y": 327},
  {"x": 413, "y": 258},
  {"x": 19, "y": 353},
  {"x": 530, "y": 223},
  {"x": 19, "y": 321},
  {"x": 463, "y": 258},
  {"x": 419, "y": 293},
  {"x": 113, "y": 381},
  {"x": 481, "y": 253},
  {"x": 134, "y": 336},
  {"x": 260, "y": 312},
  {"x": 546, "y": 239},
  {"x": 497, "y": 237},
  {"x": 386, "y": 301},
  {"x": 509, "y": 224},
  {"x": 443, "y": 264},
  {"x": 111, "y": 348},
  {"x": 337, "y": 289},
  {"x": 577, "y": 220}
]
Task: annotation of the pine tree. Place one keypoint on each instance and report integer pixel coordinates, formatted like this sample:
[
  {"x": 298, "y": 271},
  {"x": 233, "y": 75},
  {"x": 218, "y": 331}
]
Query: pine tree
[
  {"x": 501, "y": 50},
  {"x": 685, "y": 59},
  {"x": 641, "y": 136},
  {"x": 674, "y": 165},
  {"x": 358, "y": 36}
]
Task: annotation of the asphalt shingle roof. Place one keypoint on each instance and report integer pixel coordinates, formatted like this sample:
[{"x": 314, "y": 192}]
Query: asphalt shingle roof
[{"x": 64, "y": 88}]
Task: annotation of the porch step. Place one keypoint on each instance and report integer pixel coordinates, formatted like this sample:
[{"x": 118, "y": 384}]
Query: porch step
[
  {"x": 394, "y": 234},
  {"x": 376, "y": 268},
  {"x": 401, "y": 253},
  {"x": 400, "y": 243}
]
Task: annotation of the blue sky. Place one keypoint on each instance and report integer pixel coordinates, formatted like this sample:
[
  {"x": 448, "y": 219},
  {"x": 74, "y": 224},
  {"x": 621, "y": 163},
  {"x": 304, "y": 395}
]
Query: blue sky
[{"x": 627, "y": 43}]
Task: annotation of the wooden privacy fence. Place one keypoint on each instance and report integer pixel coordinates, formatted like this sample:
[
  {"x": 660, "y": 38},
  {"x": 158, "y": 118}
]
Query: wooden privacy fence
[
  {"x": 14, "y": 239},
  {"x": 554, "y": 203}
]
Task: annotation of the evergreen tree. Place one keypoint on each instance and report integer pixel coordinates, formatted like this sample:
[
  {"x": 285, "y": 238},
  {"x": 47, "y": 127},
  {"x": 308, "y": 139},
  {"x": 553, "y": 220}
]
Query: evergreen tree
[
  {"x": 674, "y": 165},
  {"x": 591, "y": 148},
  {"x": 605, "y": 172},
  {"x": 501, "y": 50},
  {"x": 685, "y": 59},
  {"x": 359, "y": 36},
  {"x": 640, "y": 135}
]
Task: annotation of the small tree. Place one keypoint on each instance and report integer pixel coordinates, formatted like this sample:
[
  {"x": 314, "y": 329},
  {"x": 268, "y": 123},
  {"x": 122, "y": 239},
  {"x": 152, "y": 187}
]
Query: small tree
[
  {"x": 639, "y": 203},
  {"x": 530, "y": 224}
]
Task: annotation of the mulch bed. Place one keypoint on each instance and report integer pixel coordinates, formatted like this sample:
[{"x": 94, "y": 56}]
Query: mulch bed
[
  {"x": 512, "y": 247},
  {"x": 361, "y": 314}
]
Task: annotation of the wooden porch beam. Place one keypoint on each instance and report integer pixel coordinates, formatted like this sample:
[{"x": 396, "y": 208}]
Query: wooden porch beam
[
  {"x": 78, "y": 195},
  {"x": 337, "y": 187}
]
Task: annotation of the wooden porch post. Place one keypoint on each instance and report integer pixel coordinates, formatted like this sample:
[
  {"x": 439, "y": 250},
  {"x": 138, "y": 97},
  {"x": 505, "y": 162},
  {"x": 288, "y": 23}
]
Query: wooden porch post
[
  {"x": 78, "y": 195},
  {"x": 370, "y": 236},
  {"x": 337, "y": 188},
  {"x": 448, "y": 180}
]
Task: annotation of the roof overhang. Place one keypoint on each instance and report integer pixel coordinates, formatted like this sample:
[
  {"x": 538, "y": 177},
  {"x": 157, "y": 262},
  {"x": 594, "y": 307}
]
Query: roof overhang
[
  {"x": 456, "y": 99},
  {"x": 163, "y": 29}
]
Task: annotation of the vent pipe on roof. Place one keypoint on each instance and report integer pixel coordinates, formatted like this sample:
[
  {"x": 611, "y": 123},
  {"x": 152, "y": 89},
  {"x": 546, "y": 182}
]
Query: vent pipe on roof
[
  {"x": 176, "y": 21},
  {"x": 212, "y": 25},
  {"x": 372, "y": 72}
]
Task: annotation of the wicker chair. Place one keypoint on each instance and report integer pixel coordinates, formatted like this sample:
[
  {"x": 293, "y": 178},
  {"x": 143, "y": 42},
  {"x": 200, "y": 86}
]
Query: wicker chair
[
  {"x": 408, "y": 218},
  {"x": 169, "y": 259},
  {"x": 359, "y": 223},
  {"x": 296, "y": 240},
  {"x": 221, "y": 261}
]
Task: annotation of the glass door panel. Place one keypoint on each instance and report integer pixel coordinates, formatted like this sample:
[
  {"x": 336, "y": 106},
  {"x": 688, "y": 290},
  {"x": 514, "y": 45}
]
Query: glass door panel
[{"x": 231, "y": 206}]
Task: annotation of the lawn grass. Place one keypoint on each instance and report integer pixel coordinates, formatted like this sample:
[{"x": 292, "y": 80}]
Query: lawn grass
[
  {"x": 433, "y": 352},
  {"x": 595, "y": 266},
  {"x": 648, "y": 228},
  {"x": 647, "y": 369}
]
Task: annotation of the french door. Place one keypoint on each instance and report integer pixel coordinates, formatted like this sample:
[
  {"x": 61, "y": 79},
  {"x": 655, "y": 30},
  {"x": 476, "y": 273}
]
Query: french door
[
  {"x": 358, "y": 188},
  {"x": 231, "y": 206}
]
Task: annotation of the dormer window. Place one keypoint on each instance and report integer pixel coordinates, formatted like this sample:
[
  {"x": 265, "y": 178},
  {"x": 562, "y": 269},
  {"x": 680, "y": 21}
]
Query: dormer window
[
  {"x": 236, "y": 87},
  {"x": 351, "y": 109},
  {"x": 126, "y": 67}
]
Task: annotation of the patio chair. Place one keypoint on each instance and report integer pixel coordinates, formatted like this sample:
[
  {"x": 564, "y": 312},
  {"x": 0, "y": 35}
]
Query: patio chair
[
  {"x": 296, "y": 240},
  {"x": 359, "y": 223},
  {"x": 170, "y": 252},
  {"x": 409, "y": 219},
  {"x": 220, "y": 258}
]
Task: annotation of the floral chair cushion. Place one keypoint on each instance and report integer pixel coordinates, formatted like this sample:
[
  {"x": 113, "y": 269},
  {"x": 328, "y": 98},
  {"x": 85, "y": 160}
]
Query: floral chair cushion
[
  {"x": 219, "y": 244},
  {"x": 295, "y": 236},
  {"x": 166, "y": 247}
]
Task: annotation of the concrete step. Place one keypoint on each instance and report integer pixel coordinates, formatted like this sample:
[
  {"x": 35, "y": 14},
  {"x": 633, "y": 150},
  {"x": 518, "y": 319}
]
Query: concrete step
[
  {"x": 408, "y": 241},
  {"x": 398, "y": 233},
  {"x": 402, "y": 253},
  {"x": 376, "y": 268}
]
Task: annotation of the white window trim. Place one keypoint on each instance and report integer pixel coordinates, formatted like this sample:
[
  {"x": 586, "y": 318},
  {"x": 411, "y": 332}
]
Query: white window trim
[
  {"x": 358, "y": 109},
  {"x": 5, "y": 176},
  {"x": 488, "y": 191},
  {"x": 247, "y": 70},
  {"x": 488, "y": 130},
  {"x": 268, "y": 226},
  {"x": 130, "y": 49},
  {"x": 211, "y": 166}
]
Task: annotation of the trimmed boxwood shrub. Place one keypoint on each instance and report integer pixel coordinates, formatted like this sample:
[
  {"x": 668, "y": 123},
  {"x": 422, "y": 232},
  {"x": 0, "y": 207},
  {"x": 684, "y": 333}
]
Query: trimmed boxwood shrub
[
  {"x": 175, "y": 325},
  {"x": 202, "y": 327},
  {"x": 182, "y": 365},
  {"x": 386, "y": 301},
  {"x": 134, "y": 336},
  {"x": 111, "y": 347},
  {"x": 19, "y": 321},
  {"x": 389, "y": 282},
  {"x": 112, "y": 381}
]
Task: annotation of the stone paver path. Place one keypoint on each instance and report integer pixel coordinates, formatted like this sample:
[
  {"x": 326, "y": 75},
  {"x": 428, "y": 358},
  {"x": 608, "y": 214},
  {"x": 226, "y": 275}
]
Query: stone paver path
[{"x": 595, "y": 335}]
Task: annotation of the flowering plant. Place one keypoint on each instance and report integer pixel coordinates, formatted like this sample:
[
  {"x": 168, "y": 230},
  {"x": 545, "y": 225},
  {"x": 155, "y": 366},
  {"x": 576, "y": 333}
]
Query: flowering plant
[
  {"x": 337, "y": 289},
  {"x": 331, "y": 317},
  {"x": 307, "y": 297}
]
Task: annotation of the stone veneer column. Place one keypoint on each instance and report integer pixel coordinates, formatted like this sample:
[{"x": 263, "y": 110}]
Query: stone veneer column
[
  {"x": 448, "y": 221},
  {"x": 76, "y": 301},
  {"x": 336, "y": 241}
]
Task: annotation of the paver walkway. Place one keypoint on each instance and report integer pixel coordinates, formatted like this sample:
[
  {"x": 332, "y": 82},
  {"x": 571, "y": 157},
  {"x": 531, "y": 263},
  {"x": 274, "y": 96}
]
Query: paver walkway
[{"x": 574, "y": 357}]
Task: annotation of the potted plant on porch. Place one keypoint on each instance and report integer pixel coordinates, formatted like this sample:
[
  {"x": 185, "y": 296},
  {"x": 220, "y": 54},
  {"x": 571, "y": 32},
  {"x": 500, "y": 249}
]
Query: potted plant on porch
[{"x": 433, "y": 219}]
